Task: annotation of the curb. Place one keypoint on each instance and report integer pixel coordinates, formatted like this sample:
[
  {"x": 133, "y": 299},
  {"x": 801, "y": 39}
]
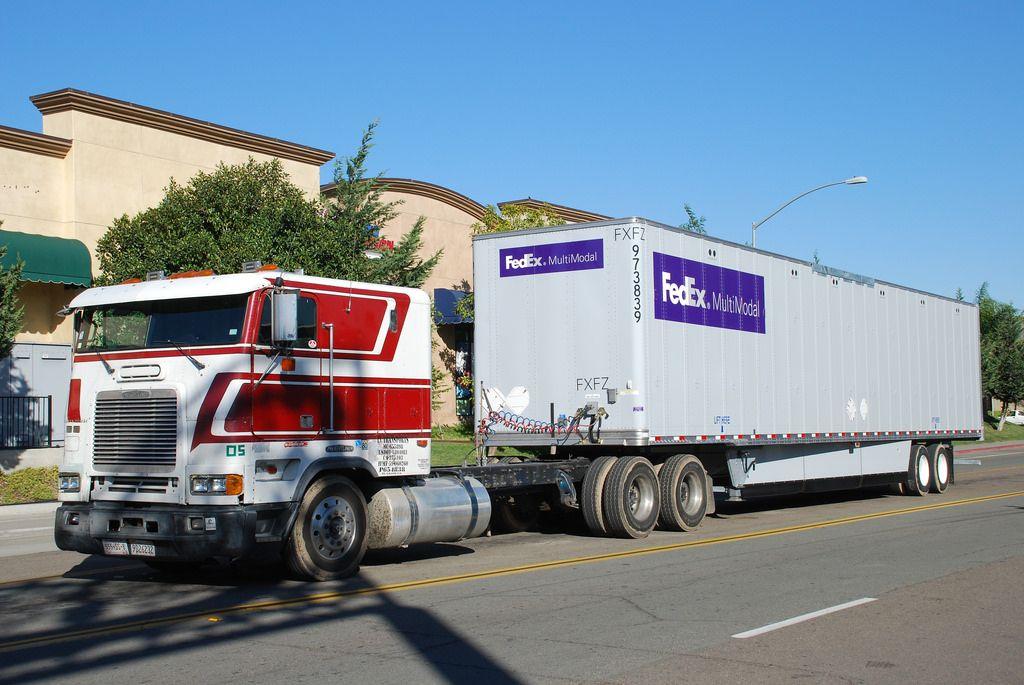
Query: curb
[{"x": 14, "y": 511}]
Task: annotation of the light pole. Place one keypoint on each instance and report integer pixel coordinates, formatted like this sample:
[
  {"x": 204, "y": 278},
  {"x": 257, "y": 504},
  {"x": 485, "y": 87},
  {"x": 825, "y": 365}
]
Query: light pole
[{"x": 856, "y": 180}]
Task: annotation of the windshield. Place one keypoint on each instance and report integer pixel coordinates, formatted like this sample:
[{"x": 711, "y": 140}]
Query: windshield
[{"x": 161, "y": 323}]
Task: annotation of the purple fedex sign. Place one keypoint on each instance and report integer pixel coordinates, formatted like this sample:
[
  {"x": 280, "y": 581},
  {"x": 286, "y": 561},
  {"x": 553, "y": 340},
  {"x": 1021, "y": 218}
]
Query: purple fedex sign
[
  {"x": 708, "y": 295},
  {"x": 543, "y": 259}
]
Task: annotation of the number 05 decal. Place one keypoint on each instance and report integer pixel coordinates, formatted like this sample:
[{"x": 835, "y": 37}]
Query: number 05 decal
[{"x": 234, "y": 450}]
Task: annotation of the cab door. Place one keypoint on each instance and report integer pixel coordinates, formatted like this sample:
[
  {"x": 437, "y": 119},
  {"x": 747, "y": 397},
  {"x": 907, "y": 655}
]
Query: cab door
[
  {"x": 291, "y": 398},
  {"x": 359, "y": 319}
]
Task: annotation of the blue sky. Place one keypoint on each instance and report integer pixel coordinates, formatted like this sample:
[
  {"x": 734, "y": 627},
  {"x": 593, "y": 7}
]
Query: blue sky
[{"x": 622, "y": 109}]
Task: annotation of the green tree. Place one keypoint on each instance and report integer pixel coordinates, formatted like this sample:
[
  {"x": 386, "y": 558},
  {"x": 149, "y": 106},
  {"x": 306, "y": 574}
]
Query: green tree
[
  {"x": 693, "y": 223},
  {"x": 354, "y": 216},
  {"x": 253, "y": 211},
  {"x": 12, "y": 310},
  {"x": 513, "y": 217},
  {"x": 217, "y": 221},
  {"x": 1002, "y": 351}
]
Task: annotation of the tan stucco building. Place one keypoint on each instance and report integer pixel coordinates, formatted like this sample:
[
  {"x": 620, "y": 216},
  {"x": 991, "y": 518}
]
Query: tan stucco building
[{"x": 98, "y": 158}]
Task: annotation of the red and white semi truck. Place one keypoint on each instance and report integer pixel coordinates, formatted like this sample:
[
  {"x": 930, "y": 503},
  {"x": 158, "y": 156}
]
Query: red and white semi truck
[{"x": 267, "y": 414}]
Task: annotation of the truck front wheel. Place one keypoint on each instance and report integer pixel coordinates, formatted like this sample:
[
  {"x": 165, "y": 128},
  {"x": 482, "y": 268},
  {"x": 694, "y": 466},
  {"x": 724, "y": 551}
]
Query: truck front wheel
[{"x": 328, "y": 539}]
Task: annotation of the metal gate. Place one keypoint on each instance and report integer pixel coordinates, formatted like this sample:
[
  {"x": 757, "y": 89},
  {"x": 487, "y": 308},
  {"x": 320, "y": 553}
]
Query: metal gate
[{"x": 26, "y": 421}]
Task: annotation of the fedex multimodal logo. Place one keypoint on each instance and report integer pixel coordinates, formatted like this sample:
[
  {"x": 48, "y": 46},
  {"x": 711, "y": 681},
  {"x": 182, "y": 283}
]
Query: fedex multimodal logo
[
  {"x": 707, "y": 295},
  {"x": 543, "y": 259}
]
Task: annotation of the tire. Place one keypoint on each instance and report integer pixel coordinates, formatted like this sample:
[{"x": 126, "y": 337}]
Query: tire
[
  {"x": 683, "y": 485},
  {"x": 941, "y": 457},
  {"x": 516, "y": 513},
  {"x": 592, "y": 494},
  {"x": 919, "y": 479},
  {"x": 631, "y": 498},
  {"x": 328, "y": 538}
]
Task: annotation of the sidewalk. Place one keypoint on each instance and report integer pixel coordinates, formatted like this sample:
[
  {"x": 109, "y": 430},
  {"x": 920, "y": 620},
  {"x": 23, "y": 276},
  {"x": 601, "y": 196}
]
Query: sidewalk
[
  {"x": 27, "y": 528},
  {"x": 990, "y": 447}
]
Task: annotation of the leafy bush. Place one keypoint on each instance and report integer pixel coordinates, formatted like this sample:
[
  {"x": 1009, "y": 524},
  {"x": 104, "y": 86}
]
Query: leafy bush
[{"x": 28, "y": 485}]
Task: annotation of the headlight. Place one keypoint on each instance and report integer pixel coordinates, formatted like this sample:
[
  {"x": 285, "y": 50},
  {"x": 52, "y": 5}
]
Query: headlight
[
  {"x": 69, "y": 482},
  {"x": 229, "y": 484}
]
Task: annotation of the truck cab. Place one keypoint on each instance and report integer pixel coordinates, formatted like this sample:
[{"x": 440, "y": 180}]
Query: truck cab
[{"x": 203, "y": 407}]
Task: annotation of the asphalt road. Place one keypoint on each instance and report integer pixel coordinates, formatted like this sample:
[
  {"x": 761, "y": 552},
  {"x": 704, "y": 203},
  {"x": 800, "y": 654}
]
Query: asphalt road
[{"x": 908, "y": 589}]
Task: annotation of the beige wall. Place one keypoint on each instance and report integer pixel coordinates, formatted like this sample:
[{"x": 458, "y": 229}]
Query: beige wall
[
  {"x": 42, "y": 302},
  {"x": 32, "y": 193},
  {"x": 119, "y": 168},
  {"x": 113, "y": 168},
  {"x": 446, "y": 228}
]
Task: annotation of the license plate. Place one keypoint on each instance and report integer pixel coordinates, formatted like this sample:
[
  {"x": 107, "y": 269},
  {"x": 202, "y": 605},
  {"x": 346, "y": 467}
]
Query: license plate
[
  {"x": 142, "y": 549},
  {"x": 114, "y": 547}
]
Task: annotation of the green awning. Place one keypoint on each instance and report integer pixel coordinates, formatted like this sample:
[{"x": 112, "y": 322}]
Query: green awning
[{"x": 48, "y": 259}]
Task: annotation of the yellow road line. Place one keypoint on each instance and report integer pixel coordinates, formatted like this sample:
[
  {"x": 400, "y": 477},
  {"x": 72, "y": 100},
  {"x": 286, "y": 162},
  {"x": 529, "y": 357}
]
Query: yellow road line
[
  {"x": 478, "y": 575},
  {"x": 73, "y": 575}
]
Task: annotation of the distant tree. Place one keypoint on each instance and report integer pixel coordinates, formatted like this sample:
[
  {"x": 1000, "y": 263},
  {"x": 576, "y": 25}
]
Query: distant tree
[
  {"x": 513, "y": 217},
  {"x": 253, "y": 211},
  {"x": 693, "y": 223},
  {"x": 959, "y": 295},
  {"x": 12, "y": 310},
  {"x": 1002, "y": 351}
]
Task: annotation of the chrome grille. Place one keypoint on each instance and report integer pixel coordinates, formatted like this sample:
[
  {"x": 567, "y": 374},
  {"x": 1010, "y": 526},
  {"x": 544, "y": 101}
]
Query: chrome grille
[{"x": 136, "y": 428}]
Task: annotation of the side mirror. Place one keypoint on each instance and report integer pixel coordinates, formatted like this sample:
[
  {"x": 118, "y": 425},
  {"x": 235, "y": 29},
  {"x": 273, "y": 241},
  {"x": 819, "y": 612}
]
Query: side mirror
[{"x": 284, "y": 316}]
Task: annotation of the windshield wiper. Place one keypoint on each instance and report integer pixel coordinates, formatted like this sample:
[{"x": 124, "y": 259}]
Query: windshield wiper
[{"x": 198, "y": 364}]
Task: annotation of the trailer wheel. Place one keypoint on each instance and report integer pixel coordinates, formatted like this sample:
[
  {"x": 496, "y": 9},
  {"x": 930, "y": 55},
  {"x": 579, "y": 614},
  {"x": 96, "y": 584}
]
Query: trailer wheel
[
  {"x": 941, "y": 467},
  {"x": 328, "y": 539},
  {"x": 684, "y": 484},
  {"x": 919, "y": 473},
  {"x": 591, "y": 500},
  {"x": 631, "y": 498}
]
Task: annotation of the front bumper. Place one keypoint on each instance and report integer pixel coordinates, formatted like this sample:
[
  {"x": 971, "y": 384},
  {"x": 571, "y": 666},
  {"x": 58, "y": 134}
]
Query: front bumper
[{"x": 228, "y": 532}]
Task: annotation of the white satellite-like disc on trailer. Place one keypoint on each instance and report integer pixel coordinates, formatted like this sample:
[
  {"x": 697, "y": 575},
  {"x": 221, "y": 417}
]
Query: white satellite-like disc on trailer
[{"x": 518, "y": 399}]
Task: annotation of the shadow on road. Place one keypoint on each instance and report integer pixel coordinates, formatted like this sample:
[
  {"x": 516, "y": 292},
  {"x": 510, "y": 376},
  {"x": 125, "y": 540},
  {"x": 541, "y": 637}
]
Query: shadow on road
[{"x": 203, "y": 614}]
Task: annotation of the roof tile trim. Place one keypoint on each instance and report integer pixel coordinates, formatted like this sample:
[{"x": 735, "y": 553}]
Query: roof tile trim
[
  {"x": 100, "y": 105},
  {"x": 431, "y": 190},
  {"x": 567, "y": 213},
  {"x": 30, "y": 141}
]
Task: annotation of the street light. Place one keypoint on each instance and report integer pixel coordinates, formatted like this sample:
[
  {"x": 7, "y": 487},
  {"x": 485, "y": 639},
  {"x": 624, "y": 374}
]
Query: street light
[{"x": 856, "y": 180}]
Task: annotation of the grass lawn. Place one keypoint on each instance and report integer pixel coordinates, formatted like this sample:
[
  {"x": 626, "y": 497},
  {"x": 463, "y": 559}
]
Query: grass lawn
[
  {"x": 453, "y": 452},
  {"x": 1010, "y": 432},
  {"x": 454, "y": 444}
]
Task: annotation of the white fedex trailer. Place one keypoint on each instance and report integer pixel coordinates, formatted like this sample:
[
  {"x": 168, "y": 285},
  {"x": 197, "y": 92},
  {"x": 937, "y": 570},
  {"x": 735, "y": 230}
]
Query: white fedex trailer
[
  {"x": 271, "y": 414},
  {"x": 713, "y": 366}
]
